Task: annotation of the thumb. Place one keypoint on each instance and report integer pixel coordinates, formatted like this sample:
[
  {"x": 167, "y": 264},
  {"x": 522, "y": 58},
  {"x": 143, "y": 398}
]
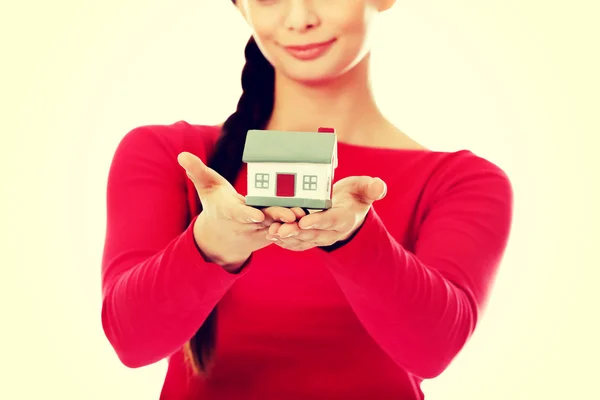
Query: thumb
[
  {"x": 203, "y": 177},
  {"x": 372, "y": 189}
]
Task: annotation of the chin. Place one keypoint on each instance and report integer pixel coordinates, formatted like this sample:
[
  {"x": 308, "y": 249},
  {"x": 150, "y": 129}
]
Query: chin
[
  {"x": 316, "y": 74},
  {"x": 308, "y": 79}
]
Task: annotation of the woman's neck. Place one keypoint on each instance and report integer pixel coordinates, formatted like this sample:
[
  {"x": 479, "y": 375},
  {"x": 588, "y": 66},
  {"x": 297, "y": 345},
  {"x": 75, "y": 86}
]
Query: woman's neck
[{"x": 346, "y": 104}]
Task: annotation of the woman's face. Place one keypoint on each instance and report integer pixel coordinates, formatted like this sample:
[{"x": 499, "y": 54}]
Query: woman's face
[{"x": 312, "y": 40}]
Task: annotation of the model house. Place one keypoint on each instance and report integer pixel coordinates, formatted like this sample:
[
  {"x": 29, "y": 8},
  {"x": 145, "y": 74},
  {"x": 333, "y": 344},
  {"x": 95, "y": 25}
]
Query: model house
[{"x": 290, "y": 169}]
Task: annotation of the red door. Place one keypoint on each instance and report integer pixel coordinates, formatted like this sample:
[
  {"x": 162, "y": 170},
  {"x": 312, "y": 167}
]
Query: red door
[{"x": 286, "y": 185}]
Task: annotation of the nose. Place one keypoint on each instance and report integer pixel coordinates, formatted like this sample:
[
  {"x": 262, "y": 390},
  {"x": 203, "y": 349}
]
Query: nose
[{"x": 301, "y": 16}]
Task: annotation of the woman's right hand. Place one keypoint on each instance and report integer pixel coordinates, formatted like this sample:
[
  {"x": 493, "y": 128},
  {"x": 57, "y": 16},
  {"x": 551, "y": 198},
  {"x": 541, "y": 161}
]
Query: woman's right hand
[{"x": 227, "y": 231}]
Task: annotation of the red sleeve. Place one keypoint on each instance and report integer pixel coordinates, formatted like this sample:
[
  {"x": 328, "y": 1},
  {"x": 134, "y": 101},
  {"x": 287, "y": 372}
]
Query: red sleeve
[
  {"x": 422, "y": 307},
  {"x": 157, "y": 288}
]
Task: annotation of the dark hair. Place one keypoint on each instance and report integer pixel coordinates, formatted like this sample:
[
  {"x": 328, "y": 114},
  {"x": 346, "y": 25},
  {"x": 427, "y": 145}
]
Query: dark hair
[{"x": 253, "y": 111}]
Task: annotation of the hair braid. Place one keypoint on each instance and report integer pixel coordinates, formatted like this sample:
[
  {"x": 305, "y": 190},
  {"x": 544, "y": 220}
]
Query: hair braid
[{"x": 253, "y": 112}]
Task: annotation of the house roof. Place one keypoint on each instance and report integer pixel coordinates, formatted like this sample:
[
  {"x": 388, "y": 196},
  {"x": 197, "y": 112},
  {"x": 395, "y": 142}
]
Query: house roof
[{"x": 283, "y": 146}]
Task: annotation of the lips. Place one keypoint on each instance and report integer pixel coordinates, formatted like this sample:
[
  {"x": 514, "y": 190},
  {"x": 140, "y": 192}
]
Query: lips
[
  {"x": 309, "y": 51},
  {"x": 310, "y": 46}
]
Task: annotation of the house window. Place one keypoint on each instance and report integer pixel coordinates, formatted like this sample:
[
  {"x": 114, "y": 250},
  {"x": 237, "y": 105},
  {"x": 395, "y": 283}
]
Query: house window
[
  {"x": 309, "y": 182},
  {"x": 261, "y": 181}
]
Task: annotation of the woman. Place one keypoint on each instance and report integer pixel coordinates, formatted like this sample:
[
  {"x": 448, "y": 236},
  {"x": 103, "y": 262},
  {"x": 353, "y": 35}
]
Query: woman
[{"x": 361, "y": 301}]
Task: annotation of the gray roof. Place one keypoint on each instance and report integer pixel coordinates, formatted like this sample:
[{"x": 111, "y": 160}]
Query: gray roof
[{"x": 282, "y": 146}]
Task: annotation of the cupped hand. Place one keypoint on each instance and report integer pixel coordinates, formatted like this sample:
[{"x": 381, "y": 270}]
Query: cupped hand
[
  {"x": 352, "y": 198},
  {"x": 227, "y": 231}
]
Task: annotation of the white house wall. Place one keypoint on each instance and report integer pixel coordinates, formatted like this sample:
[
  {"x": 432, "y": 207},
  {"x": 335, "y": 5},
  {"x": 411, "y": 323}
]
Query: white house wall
[{"x": 322, "y": 171}]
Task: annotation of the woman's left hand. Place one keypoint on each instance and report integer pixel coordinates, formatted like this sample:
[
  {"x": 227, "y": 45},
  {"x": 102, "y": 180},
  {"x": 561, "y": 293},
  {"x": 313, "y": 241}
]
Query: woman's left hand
[{"x": 352, "y": 198}]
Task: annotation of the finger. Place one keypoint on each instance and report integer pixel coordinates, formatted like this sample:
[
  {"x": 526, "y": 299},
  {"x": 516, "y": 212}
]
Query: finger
[
  {"x": 298, "y": 212},
  {"x": 274, "y": 228},
  {"x": 288, "y": 230},
  {"x": 244, "y": 214},
  {"x": 293, "y": 231},
  {"x": 294, "y": 244},
  {"x": 279, "y": 214},
  {"x": 309, "y": 239},
  {"x": 336, "y": 219},
  {"x": 204, "y": 178},
  {"x": 317, "y": 237},
  {"x": 369, "y": 189},
  {"x": 377, "y": 189},
  {"x": 363, "y": 188}
]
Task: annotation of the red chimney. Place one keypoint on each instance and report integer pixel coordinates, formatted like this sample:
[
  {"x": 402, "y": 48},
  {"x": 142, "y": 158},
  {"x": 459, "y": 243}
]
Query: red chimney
[{"x": 326, "y": 130}]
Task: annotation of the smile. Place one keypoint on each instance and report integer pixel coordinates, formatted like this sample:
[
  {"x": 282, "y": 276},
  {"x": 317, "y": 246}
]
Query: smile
[{"x": 309, "y": 51}]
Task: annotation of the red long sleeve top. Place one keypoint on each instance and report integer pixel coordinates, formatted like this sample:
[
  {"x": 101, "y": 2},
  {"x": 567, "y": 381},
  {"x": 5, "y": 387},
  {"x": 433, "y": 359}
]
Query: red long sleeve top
[{"x": 369, "y": 320}]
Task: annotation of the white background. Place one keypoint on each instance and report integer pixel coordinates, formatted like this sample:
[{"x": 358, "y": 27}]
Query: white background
[{"x": 515, "y": 81}]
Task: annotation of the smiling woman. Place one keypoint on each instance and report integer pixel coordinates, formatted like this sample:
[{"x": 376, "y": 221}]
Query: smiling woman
[
  {"x": 308, "y": 46},
  {"x": 364, "y": 300}
]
